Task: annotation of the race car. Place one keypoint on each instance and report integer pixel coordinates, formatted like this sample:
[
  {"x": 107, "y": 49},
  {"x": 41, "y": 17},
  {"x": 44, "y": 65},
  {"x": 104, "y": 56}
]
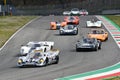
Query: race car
[
  {"x": 57, "y": 25},
  {"x": 69, "y": 29},
  {"x": 88, "y": 44},
  {"x": 99, "y": 34},
  {"x": 43, "y": 45},
  {"x": 75, "y": 11},
  {"x": 66, "y": 13},
  {"x": 94, "y": 23},
  {"x": 72, "y": 20},
  {"x": 83, "y": 12},
  {"x": 38, "y": 58}
]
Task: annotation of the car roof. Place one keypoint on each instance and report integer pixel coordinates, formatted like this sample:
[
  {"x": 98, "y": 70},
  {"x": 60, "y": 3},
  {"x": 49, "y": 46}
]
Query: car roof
[{"x": 74, "y": 9}]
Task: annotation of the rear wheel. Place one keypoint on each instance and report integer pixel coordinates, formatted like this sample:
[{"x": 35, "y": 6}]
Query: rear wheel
[
  {"x": 106, "y": 39},
  {"x": 99, "y": 46},
  {"x": 51, "y": 47},
  {"x": 57, "y": 59}
]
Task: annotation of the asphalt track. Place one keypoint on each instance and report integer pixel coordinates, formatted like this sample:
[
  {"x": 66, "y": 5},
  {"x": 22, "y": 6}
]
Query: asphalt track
[{"x": 71, "y": 62}]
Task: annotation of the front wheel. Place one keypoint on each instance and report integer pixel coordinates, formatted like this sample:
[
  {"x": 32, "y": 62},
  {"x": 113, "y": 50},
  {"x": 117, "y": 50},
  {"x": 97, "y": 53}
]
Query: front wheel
[
  {"x": 46, "y": 62},
  {"x": 96, "y": 48}
]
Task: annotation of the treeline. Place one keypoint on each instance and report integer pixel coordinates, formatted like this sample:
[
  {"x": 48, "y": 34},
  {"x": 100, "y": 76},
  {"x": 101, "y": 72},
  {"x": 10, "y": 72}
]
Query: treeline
[{"x": 37, "y": 2}]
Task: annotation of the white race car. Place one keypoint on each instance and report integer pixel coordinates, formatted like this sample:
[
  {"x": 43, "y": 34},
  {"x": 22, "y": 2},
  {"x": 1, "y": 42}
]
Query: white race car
[
  {"x": 94, "y": 23},
  {"x": 75, "y": 11},
  {"x": 43, "y": 45},
  {"x": 66, "y": 13},
  {"x": 83, "y": 12},
  {"x": 38, "y": 58}
]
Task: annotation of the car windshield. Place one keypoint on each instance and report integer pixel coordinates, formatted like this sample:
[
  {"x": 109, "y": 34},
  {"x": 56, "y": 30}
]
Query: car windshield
[
  {"x": 36, "y": 55},
  {"x": 69, "y": 27},
  {"x": 75, "y": 9},
  {"x": 37, "y": 45},
  {"x": 71, "y": 18},
  {"x": 97, "y": 32},
  {"x": 88, "y": 40}
]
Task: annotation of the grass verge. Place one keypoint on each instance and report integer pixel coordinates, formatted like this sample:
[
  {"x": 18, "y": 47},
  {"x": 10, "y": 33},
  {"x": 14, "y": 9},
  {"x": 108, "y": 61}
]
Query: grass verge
[
  {"x": 113, "y": 78},
  {"x": 114, "y": 18},
  {"x": 10, "y": 24}
]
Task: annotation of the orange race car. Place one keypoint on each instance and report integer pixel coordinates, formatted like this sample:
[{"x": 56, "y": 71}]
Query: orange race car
[
  {"x": 57, "y": 25},
  {"x": 71, "y": 19},
  {"x": 100, "y": 34}
]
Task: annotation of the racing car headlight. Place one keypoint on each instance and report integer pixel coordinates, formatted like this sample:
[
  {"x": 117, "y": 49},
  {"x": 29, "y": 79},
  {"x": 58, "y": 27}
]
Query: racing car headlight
[
  {"x": 19, "y": 61},
  {"x": 41, "y": 60}
]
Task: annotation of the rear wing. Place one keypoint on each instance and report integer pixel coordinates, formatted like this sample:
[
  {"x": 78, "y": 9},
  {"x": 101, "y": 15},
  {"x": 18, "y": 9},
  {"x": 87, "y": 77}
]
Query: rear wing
[{"x": 96, "y": 23}]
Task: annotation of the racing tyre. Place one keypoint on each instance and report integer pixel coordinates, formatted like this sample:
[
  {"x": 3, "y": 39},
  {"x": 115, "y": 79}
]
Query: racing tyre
[
  {"x": 77, "y": 49},
  {"x": 46, "y": 62},
  {"x": 96, "y": 48},
  {"x": 45, "y": 50},
  {"x": 51, "y": 47},
  {"x": 106, "y": 39},
  {"x": 57, "y": 59},
  {"x": 99, "y": 46},
  {"x": 77, "y": 32}
]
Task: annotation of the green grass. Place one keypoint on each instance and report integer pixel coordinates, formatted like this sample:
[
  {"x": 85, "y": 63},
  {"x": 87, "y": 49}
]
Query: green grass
[
  {"x": 10, "y": 24},
  {"x": 114, "y": 18},
  {"x": 113, "y": 78}
]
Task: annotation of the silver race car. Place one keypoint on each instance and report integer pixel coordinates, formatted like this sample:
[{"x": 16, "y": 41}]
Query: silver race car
[
  {"x": 75, "y": 11},
  {"x": 94, "y": 23},
  {"x": 38, "y": 58},
  {"x": 69, "y": 29},
  {"x": 88, "y": 44},
  {"x": 44, "y": 45}
]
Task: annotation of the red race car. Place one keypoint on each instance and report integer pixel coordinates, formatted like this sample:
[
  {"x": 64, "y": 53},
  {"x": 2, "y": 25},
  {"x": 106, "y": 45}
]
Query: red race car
[{"x": 72, "y": 19}]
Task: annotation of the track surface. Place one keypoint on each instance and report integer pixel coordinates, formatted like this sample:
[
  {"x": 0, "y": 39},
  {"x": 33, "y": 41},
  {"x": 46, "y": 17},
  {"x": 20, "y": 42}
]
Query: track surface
[{"x": 71, "y": 62}]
